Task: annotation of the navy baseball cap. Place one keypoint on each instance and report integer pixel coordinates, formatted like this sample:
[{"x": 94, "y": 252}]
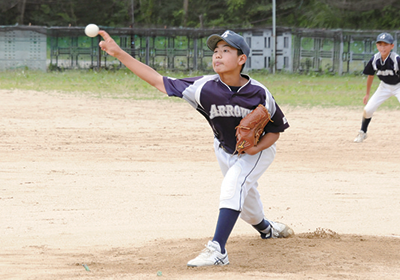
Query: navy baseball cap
[
  {"x": 232, "y": 38},
  {"x": 385, "y": 37}
]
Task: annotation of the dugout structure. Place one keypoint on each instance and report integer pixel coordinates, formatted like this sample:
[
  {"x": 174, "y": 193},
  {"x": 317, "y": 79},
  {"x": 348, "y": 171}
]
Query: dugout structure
[
  {"x": 184, "y": 49},
  {"x": 23, "y": 47}
]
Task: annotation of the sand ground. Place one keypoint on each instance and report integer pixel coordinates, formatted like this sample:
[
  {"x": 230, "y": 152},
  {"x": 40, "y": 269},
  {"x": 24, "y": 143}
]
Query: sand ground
[{"x": 131, "y": 188}]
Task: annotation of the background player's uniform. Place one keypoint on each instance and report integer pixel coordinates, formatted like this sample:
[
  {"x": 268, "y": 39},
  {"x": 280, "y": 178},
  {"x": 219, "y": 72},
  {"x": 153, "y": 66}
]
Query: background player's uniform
[
  {"x": 388, "y": 72},
  {"x": 224, "y": 107}
]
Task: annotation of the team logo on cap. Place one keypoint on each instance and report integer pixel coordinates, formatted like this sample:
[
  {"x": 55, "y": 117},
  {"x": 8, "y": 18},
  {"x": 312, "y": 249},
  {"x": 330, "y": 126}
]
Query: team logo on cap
[
  {"x": 382, "y": 36},
  {"x": 226, "y": 33}
]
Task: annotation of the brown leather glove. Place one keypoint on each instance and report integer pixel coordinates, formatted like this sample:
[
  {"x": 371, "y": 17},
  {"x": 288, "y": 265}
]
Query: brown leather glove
[{"x": 250, "y": 128}]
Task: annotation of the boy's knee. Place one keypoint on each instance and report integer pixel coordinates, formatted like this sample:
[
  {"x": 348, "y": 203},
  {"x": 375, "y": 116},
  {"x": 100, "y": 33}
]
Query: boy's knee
[{"x": 367, "y": 113}]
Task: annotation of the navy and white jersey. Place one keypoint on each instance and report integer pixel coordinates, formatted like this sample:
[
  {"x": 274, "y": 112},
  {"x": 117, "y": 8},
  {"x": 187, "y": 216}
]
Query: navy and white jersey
[
  {"x": 387, "y": 71},
  {"x": 224, "y": 108}
]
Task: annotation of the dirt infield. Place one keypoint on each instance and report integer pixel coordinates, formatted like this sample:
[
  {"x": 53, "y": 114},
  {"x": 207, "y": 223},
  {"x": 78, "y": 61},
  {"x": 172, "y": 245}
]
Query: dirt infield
[{"x": 131, "y": 188}]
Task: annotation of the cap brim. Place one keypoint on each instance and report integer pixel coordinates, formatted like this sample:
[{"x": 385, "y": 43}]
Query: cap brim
[
  {"x": 213, "y": 40},
  {"x": 385, "y": 41}
]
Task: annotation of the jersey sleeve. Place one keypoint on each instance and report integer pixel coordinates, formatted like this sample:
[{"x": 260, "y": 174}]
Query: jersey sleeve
[
  {"x": 397, "y": 71},
  {"x": 369, "y": 69},
  {"x": 279, "y": 122},
  {"x": 184, "y": 88},
  {"x": 176, "y": 87}
]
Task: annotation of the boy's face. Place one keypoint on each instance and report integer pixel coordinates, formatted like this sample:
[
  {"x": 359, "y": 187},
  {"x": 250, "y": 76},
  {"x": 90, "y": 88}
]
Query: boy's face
[
  {"x": 384, "y": 48},
  {"x": 225, "y": 58}
]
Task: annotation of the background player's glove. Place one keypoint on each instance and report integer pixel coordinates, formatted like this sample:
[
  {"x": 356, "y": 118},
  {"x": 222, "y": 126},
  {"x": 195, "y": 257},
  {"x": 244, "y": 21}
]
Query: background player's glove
[{"x": 250, "y": 128}]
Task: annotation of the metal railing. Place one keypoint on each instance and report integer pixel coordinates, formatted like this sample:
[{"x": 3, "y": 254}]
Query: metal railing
[{"x": 297, "y": 50}]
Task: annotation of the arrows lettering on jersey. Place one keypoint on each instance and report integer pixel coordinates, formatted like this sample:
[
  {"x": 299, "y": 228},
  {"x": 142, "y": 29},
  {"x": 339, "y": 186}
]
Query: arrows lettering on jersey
[
  {"x": 385, "y": 73},
  {"x": 228, "y": 111}
]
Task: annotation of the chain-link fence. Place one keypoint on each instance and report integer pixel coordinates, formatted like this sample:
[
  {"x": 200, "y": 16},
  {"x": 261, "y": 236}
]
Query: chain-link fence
[{"x": 296, "y": 50}]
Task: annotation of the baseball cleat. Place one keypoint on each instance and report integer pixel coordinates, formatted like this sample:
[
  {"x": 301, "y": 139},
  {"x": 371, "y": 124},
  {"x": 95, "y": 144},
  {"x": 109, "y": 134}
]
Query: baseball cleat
[
  {"x": 278, "y": 230},
  {"x": 211, "y": 255},
  {"x": 360, "y": 137}
]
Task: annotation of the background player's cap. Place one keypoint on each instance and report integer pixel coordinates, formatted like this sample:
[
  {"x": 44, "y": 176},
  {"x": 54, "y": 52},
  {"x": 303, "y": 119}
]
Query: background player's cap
[
  {"x": 385, "y": 37},
  {"x": 232, "y": 38}
]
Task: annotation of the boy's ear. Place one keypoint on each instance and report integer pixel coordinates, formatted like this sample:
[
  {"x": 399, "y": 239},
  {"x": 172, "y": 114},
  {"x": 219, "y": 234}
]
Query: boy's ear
[{"x": 242, "y": 59}]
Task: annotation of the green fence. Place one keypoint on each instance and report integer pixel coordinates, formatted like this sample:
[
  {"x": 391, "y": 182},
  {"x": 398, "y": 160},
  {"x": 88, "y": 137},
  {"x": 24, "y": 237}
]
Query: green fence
[{"x": 310, "y": 50}]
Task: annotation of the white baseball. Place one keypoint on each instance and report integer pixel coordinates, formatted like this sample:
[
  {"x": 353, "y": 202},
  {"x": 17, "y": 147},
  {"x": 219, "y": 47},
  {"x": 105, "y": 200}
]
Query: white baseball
[{"x": 92, "y": 30}]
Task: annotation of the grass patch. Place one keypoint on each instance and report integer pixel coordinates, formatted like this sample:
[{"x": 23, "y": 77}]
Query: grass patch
[
  {"x": 288, "y": 89},
  {"x": 100, "y": 84},
  {"x": 304, "y": 90}
]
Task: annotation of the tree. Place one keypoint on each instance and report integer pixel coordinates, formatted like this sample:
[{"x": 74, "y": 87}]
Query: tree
[
  {"x": 346, "y": 14},
  {"x": 21, "y": 9},
  {"x": 185, "y": 12},
  {"x": 9, "y": 8},
  {"x": 359, "y": 5},
  {"x": 6, "y": 5}
]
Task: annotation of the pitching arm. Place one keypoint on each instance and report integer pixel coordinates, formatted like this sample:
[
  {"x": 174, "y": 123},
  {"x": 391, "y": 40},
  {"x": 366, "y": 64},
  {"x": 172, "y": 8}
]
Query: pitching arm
[{"x": 140, "y": 69}]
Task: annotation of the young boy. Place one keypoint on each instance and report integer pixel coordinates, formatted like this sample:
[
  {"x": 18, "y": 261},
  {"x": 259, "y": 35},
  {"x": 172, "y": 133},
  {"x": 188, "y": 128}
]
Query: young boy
[
  {"x": 385, "y": 64},
  {"x": 224, "y": 99}
]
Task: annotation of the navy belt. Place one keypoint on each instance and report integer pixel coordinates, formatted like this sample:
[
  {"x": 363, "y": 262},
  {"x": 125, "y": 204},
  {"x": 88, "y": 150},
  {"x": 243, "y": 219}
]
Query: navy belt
[
  {"x": 226, "y": 150},
  {"x": 223, "y": 148}
]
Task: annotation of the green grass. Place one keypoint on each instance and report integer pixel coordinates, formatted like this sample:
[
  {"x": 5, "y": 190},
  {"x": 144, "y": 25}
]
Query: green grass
[
  {"x": 288, "y": 89},
  {"x": 102, "y": 84},
  {"x": 325, "y": 90}
]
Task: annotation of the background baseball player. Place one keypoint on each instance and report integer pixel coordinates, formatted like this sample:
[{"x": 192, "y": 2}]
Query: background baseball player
[
  {"x": 224, "y": 99},
  {"x": 385, "y": 64}
]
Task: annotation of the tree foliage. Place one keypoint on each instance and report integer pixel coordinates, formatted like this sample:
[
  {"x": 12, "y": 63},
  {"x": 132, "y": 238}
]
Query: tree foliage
[{"x": 345, "y": 14}]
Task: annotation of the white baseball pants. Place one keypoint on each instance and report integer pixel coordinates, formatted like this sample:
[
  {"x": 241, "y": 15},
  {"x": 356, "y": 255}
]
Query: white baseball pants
[
  {"x": 382, "y": 93},
  {"x": 239, "y": 186}
]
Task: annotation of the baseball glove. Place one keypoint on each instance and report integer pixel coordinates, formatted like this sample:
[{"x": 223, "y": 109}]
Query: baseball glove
[{"x": 250, "y": 128}]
